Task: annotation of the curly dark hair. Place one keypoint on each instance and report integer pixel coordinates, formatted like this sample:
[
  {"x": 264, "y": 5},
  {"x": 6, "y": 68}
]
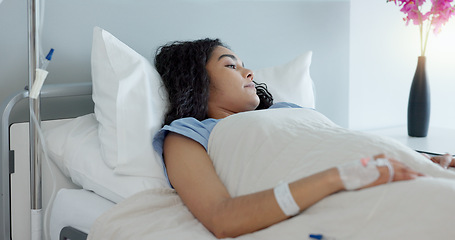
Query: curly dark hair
[{"x": 181, "y": 65}]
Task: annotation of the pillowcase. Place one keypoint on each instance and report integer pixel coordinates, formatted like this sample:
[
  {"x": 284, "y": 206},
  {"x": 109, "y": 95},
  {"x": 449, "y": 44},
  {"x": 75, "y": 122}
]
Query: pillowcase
[
  {"x": 74, "y": 147},
  {"x": 129, "y": 106},
  {"x": 290, "y": 82}
]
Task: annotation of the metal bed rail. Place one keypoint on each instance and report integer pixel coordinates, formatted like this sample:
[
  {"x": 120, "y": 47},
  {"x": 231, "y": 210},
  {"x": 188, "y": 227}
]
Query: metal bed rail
[{"x": 6, "y": 163}]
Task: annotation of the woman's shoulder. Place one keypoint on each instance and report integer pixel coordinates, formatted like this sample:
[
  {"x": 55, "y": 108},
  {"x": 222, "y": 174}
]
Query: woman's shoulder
[
  {"x": 193, "y": 123},
  {"x": 189, "y": 127}
]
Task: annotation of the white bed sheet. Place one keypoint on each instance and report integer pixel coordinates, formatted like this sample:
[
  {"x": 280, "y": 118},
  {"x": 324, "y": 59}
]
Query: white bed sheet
[
  {"x": 284, "y": 145},
  {"x": 77, "y": 208}
]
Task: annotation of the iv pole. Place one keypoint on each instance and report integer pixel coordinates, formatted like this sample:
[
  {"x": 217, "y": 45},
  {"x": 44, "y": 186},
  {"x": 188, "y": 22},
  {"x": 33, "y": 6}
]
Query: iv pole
[{"x": 35, "y": 156}]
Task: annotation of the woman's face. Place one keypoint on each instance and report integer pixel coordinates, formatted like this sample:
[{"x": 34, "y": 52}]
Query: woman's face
[{"x": 231, "y": 85}]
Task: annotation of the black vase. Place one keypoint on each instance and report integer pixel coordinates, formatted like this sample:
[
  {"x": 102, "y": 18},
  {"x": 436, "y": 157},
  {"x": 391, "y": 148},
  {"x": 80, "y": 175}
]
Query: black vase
[{"x": 419, "y": 102}]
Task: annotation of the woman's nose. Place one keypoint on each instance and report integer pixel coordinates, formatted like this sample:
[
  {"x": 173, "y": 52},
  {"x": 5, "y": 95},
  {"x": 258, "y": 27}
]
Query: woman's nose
[{"x": 249, "y": 74}]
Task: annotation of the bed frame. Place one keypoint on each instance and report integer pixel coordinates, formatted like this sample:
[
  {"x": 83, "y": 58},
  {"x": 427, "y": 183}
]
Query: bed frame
[
  {"x": 70, "y": 233},
  {"x": 10, "y": 163}
]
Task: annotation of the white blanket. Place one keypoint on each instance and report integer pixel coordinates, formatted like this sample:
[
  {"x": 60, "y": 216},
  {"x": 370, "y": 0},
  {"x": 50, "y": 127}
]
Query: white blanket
[{"x": 256, "y": 150}]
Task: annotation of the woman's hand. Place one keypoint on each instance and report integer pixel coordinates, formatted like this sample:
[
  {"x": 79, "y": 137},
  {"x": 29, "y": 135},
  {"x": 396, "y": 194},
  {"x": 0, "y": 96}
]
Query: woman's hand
[
  {"x": 445, "y": 160},
  {"x": 368, "y": 172},
  {"x": 401, "y": 172}
]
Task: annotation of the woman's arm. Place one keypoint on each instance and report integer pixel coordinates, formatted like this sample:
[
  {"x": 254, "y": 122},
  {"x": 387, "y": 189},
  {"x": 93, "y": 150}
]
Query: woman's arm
[{"x": 192, "y": 174}]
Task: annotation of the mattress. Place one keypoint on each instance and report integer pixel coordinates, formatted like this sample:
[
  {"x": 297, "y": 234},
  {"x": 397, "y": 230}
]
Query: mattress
[{"x": 77, "y": 208}]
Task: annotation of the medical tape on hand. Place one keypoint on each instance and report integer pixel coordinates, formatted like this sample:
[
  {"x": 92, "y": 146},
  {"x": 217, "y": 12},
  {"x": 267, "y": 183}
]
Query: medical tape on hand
[
  {"x": 386, "y": 162},
  {"x": 358, "y": 174},
  {"x": 284, "y": 198}
]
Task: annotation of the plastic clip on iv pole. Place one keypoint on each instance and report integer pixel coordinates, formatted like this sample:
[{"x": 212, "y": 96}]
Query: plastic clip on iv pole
[
  {"x": 40, "y": 76},
  {"x": 36, "y": 228}
]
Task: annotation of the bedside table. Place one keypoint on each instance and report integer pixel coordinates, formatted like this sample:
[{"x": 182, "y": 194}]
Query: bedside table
[{"x": 437, "y": 142}]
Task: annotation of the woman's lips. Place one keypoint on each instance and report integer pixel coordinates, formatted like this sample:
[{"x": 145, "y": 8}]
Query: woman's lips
[{"x": 251, "y": 84}]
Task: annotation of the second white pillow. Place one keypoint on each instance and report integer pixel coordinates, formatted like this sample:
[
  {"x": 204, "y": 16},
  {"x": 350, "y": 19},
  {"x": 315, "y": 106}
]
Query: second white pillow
[{"x": 290, "y": 82}]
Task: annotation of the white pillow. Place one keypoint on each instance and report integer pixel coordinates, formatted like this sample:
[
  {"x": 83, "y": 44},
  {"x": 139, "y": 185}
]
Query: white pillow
[
  {"x": 75, "y": 148},
  {"x": 290, "y": 82},
  {"x": 129, "y": 106}
]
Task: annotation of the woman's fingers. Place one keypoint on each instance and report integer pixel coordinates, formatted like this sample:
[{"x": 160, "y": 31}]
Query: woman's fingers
[
  {"x": 398, "y": 170},
  {"x": 403, "y": 172},
  {"x": 445, "y": 160}
]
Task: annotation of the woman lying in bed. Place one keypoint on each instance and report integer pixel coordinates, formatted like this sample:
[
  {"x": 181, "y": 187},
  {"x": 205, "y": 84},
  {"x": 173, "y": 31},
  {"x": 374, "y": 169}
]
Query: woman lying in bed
[{"x": 207, "y": 82}]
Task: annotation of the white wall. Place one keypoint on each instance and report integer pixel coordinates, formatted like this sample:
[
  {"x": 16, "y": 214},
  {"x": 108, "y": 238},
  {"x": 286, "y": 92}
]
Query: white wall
[
  {"x": 383, "y": 59},
  {"x": 364, "y": 55},
  {"x": 263, "y": 33}
]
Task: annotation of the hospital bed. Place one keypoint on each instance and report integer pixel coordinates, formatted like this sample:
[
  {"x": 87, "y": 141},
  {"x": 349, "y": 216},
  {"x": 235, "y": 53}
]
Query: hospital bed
[
  {"x": 104, "y": 175},
  {"x": 86, "y": 184},
  {"x": 66, "y": 218},
  {"x": 117, "y": 189},
  {"x": 155, "y": 23}
]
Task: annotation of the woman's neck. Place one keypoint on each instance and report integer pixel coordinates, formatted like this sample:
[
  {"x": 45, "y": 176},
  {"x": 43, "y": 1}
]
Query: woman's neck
[{"x": 219, "y": 113}]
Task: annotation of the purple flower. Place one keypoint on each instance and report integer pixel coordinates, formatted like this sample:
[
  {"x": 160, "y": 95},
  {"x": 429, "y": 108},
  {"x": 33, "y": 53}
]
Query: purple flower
[
  {"x": 436, "y": 17},
  {"x": 441, "y": 12}
]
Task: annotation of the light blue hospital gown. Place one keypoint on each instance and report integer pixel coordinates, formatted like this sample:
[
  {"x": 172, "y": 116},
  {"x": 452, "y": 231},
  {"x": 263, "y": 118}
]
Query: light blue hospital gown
[{"x": 194, "y": 129}]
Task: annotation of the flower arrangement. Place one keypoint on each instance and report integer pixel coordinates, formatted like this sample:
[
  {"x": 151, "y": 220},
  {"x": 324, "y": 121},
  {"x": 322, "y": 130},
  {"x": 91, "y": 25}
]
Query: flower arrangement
[{"x": 437, "y": 16}]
